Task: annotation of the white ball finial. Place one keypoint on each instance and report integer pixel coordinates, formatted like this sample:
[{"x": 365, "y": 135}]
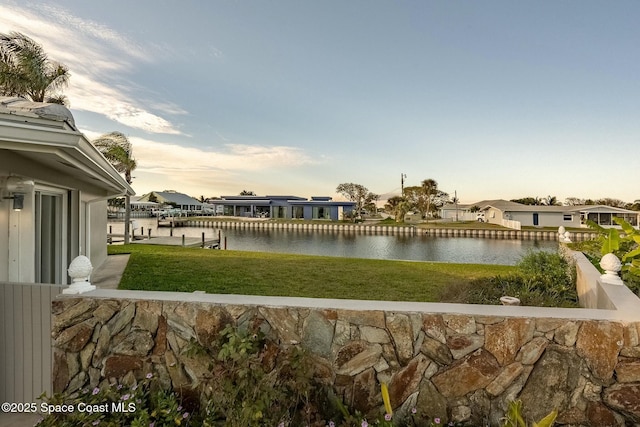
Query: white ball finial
[
  {"x": 80, "y": 271},
  {"x": 611, "y": 266}
]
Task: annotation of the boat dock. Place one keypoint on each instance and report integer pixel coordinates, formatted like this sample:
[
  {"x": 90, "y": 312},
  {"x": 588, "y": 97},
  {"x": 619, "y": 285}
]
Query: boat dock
[
  {"x": 183, "y": 240},
  {"x": 191, "y": 242}
]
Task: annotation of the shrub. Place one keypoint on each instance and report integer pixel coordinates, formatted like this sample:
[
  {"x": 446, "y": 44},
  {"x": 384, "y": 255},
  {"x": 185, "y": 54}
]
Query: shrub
[
  {"x": 625, "y": 244},
  {"x": 254, "y": 384},
  {"x": 137, "y": 405},
  {"x": 543, "y": 279}
]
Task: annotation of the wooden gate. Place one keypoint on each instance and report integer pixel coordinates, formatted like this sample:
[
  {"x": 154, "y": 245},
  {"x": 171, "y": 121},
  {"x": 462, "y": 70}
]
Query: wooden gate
[{"x": 26, "y": 358}]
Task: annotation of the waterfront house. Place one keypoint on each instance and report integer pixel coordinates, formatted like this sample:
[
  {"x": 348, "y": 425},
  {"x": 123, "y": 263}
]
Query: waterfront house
[
  {"x": 283, "y": 207},
  {"x": 514, "y": 215},
  {"x": 185, "y": 203}
]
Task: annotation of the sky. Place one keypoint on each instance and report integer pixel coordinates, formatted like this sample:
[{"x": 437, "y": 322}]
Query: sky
[{"x": 492, "y": 99}]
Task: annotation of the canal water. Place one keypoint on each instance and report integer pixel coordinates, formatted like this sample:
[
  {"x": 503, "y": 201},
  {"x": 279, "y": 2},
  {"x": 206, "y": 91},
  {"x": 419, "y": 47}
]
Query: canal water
[{"x": 361, "y": 245}]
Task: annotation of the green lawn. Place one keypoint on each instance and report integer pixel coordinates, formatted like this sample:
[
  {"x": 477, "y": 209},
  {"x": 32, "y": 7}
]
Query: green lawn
[{"x": 170, "y": 268}]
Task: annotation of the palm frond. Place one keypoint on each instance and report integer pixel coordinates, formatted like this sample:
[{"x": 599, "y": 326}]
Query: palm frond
[{"x": 27, "y": 71}]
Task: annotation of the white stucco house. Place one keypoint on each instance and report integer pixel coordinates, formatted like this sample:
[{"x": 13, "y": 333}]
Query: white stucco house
[
  {"x": 515, "y": 215},
  {"x": 54, "y": 186}
]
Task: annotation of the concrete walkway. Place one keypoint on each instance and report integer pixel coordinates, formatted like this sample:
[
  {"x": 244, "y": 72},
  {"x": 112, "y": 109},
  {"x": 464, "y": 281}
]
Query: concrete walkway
[
  {"x": 108, "y": 275},
  {"x": 19, "y": 420}
]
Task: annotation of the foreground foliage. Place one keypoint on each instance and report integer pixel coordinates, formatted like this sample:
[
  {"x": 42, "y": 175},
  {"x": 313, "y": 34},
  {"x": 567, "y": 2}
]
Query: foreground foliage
[
  {"x": 541, "y": 279},
  {"x": 514, "y": 418},
  {"x": 252, "y": 385},
  {"x": 138, "y": 404},
  {"x": 624, "y": 243},
  {"x": 27, "y": 71},
  {"x": 251, "y": 382}
]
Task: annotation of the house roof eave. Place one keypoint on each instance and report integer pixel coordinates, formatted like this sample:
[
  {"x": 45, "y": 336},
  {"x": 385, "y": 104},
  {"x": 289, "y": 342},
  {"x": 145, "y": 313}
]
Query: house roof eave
[{"x": 63, "y": 149}]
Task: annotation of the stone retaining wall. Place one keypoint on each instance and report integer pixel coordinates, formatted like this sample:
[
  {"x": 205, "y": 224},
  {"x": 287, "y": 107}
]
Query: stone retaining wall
[{"x": 456, "y": 362}]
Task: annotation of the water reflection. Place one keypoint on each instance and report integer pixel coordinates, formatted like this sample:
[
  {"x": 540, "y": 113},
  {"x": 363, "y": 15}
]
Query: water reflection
[{"x": 365, "y": 245}]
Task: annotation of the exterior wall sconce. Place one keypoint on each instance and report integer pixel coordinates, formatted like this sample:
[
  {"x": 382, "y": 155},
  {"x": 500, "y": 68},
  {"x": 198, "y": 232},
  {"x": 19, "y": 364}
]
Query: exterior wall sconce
[
  {"x": 18, "y": 201},
  {"x": 15, "y": 188}
]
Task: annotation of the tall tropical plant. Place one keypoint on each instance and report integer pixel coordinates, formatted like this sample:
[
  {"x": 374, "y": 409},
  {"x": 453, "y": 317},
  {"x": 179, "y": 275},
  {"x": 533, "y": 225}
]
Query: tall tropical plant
[
  {"x": 116, "y": 148},
  {"x": 625, "y": 246},
  {"x": 396, "y": 206},
  {"x": 26, "y": 70},
  {"x": 430, "y": 190}
]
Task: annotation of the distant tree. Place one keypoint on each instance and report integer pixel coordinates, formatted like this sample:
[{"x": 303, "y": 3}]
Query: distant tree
[
  {"x": 26, "y": 71},
  {"x": 607, "y": 201},
  {"x": 116, "y": 203},
  {"x": 397, "y": 207},
  {"x": 534, "y": 201},
  {"x": 357, "y": 193},
  {"x": 430, "y": 190},
  {"x": 635, "y": 206},
  {"x": 116, "y": 148},
  {"x": 440, "y": 199},
  {"x": 372, "y": 206},
  {"x": 551, "y": 201},
  {"x": 247, "y": 193},
  {"x": 415, "y": 200},
  {"x": 201, "y": 199},
  {"x": 574, "y": 201},
  {"x": 153, "y": 198},
  {"x": 474, "y": 209}
]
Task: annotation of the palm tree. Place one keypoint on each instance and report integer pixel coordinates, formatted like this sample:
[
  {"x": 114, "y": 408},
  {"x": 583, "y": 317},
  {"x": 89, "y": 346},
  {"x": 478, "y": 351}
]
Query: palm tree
[
  {"x": 116, "y": 148},
  {"x": 396, "y": 206},
  {"x": 430, "y": 189},
  {"x": 26, "y": 71},
  {"x": 551, "y": 201}
]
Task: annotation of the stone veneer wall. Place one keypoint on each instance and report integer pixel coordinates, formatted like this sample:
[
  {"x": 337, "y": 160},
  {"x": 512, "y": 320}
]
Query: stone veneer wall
[{"x": 457, "y": 362}]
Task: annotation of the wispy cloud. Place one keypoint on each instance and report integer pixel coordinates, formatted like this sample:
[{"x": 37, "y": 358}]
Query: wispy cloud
[
  {"x": 211, "y": 171},
  {"x": 173, "y": 158},
  {"x": 172, "y": 166},
  {"x": 98, "y": 57}
]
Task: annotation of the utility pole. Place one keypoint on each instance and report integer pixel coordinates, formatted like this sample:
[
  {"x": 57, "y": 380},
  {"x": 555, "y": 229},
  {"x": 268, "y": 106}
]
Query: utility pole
[
  {"x": 455, "y": 198},
  {"x": 402, "y": 177}
]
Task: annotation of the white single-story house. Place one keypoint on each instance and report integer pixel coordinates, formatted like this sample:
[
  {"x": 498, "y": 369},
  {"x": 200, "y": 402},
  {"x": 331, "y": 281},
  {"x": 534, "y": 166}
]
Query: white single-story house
[
  {"x": 514, "y": 215},
  {"x": 181, "y": 201},
  {"x": 139, "y": 205},
  {"x": 54, "y": 186}
]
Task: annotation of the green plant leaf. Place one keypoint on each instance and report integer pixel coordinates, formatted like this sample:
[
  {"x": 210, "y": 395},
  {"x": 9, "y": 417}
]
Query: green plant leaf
[
  {"x": 547, "y": 421},
  {"x": 514, "y": 415},
  {"x": 632, "y": 254},
  {"x": 626, "y": 227},
  {"x": 612, "y": 243},
  {"x": 595, "y": 226}
]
